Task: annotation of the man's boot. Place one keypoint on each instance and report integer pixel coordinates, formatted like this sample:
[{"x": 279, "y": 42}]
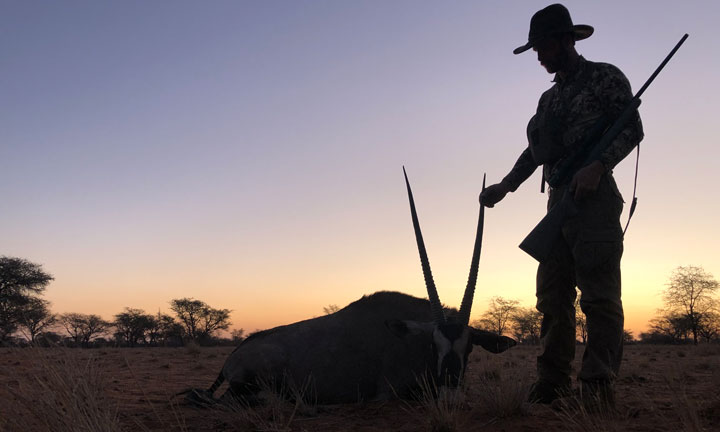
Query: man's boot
[{"x": 544, "y": 392}]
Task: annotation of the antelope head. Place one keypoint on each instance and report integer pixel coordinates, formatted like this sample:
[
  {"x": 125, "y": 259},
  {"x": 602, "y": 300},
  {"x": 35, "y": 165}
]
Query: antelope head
[{"x": 453, "y": 339}]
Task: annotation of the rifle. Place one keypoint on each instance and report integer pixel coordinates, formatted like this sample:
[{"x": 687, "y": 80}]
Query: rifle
[{"x": 539, "y": 242}]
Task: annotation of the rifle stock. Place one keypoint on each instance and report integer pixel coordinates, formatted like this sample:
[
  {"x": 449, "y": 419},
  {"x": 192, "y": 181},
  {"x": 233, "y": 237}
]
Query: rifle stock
[{"x": 541, "y": 239}]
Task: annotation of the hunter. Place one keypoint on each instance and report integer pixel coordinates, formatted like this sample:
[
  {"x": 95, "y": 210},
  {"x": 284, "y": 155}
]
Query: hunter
[{"x": 588, "y": 255}]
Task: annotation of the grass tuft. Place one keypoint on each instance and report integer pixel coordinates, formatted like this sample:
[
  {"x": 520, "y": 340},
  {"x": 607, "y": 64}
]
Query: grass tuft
[
  {"x": 66, "y": 394},
  {"x": 276, "y": 407},
  {"x": 443, "y": 407}
]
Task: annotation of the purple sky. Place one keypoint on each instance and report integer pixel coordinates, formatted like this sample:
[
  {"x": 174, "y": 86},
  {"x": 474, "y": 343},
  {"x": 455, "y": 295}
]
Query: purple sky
[{"x": 250, "y": 154}]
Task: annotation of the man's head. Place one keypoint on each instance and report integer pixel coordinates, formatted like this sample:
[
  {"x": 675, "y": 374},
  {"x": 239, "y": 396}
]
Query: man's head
[
  {"x": 553, "y": 35},
  {"x": 556, "y": 52}
]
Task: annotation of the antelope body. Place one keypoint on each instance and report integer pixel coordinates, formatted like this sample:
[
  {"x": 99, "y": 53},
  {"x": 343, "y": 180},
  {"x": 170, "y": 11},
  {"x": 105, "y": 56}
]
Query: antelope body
[{"x": 376, "y": 348}]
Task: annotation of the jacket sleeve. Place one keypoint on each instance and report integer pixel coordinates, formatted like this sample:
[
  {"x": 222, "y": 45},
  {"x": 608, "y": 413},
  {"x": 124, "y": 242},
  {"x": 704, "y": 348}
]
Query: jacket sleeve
[
  {"x": 613, "y": 90},
  {"x": 523, "y": 168}
]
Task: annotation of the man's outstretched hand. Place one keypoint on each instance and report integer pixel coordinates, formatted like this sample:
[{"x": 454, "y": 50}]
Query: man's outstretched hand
[{"x": 493, "y": 194}]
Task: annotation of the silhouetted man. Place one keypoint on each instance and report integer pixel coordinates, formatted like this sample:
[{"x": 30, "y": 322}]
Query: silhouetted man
[{"x": 588, "y": 256}]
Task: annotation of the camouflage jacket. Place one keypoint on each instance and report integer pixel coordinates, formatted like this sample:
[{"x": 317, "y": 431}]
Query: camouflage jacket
[{"x": 566, "y": 113}]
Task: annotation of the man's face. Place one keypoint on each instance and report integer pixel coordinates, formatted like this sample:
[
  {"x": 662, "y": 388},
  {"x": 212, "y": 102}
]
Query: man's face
[{"x": 552, "y": 54}]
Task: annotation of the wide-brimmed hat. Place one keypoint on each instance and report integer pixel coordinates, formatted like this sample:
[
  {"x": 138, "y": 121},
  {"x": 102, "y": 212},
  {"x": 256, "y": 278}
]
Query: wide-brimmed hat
[{"x": 553, "y": 19}]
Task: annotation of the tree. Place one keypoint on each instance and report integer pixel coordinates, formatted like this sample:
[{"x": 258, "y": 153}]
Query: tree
[
  {"x": 83, "y": 328},
  {"x": 330, "y": 309},
  {"x": 237, "y": 335},
  {"x": 48, "y": 339},
  {"x": 709, "y": 326},
  {"x": 35, "y": 318},
  {"x": 164, "y": 330},
  {"x": 199, "y": 319},
  {"x": 133, "y": 325},
  {"x": 499, "y": 314},
  {"x": 20, "y": 280},
  {"x": 669, "y": 327},
  {"x": 689, "y": 293},
  {"x": 526, "y": 325}
]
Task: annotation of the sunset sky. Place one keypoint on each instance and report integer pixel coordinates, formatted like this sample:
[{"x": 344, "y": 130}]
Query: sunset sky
[{"x": 249, "y": 153}]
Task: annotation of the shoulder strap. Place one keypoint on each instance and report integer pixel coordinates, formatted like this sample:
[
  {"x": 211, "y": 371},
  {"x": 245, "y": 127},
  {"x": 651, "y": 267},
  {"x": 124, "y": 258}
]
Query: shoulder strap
[{"x": 634, "y": 199}]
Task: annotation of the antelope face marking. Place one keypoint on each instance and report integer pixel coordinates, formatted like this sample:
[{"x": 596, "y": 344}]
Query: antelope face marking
[{"x": 453, "y": 344}]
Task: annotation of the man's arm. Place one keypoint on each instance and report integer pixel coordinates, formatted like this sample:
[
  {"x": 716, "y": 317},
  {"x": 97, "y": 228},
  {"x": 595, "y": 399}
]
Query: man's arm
[
  {"x": 613, "y": 89},
  {"x": 523, "y": 168}
]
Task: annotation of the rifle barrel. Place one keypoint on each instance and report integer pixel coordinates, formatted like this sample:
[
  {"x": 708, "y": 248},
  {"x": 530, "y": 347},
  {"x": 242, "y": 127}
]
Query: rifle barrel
[{"x": 662, "y": 65}]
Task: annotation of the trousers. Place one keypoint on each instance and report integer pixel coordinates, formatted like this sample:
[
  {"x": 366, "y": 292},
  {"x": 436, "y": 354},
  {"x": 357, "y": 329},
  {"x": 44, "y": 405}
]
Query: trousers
[{"x": 587, "y": 256}]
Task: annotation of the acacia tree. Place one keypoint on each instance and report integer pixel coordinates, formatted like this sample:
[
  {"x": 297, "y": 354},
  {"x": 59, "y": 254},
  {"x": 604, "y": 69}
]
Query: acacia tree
[
  {"x": 668, "y": 328},
  {"x": 709, "y": 326},
  {"x": 499, "y": 315},
  {"x": 164, "y": 330},
  {"x": 20, "y": 280},
  {"x": 199, "y": 319},
  {"x": 83, "y": 328},
  {"x": 330, "y": 309},
  {"x": 35, "y": 317},
  {"x": 526, "y": 325},
  {"x": 690, "y": 293},
  {"x": 133, "y": 325},
  {"x": 237, "y": 335}
]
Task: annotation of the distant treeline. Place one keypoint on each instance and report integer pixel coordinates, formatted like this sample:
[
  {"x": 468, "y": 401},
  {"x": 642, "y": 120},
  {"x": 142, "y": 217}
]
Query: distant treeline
[
  {"x": 26, "y": 319},
  {"x": 691, "y": 314}
]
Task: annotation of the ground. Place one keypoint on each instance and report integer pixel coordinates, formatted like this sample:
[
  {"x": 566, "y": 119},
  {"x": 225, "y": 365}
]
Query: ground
[{"x": 661, "y": 388}]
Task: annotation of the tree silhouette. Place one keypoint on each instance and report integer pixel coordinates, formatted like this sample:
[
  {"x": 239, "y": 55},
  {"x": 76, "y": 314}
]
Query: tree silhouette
[
  {"x": 669, "y": 327},
  {"x": 689, "y": 294},
  {"x": 83, "y": 328},
  {"x": 132, "y": 326},
  {"x": 164, "y": 330},
  {"x": 499, "y": 315},
  {"x": 526, "y": 324},
  {"x": 709, "y": 326},
  {"x": 199, "y": 319},
  {"x": 35, "y": 317},
  {"x": 20, "y": 281},
  {"x": 330, "y": 309},
  {"x": 238, "y": 335}
]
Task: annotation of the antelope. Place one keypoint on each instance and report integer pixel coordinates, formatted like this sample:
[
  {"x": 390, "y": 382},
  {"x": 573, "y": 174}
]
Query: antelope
[{"x": 376, "y": 348}]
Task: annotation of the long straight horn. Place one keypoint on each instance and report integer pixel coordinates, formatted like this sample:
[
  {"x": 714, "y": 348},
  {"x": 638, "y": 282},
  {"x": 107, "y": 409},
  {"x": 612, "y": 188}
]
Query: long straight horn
[
  {"x": 435, "y": 306},
  {"x": 466, "y": 305}
]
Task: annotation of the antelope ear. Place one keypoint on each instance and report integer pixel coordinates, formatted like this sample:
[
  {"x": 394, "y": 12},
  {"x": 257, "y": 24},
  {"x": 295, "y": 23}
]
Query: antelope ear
[
  {"x": 402, "y": 328},
  {"x": 491, "y": 341}
]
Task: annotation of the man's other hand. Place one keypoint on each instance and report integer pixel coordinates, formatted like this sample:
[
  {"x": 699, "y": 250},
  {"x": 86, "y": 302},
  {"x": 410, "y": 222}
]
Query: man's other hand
[{"x": 586, "y": 180}]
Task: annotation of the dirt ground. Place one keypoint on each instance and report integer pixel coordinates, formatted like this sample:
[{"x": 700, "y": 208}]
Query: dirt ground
[{"x": 661, "y": 388}]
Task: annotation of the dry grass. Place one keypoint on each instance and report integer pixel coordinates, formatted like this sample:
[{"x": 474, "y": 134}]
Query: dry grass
[
  {"x": 496, "y": 392},
  {"x": 179, "y": 422},
  {"x": 601, "y": 418},
  {"x": 686, "y": 409},
  {"x": 503, "y": 392},
  {"x": 65, "y": 395},
  {"x": 67, "y": 392},
  {"x": 278, "y": 405},
  {"x": 442, "y": 407},
  {"x": 99, "y": 390}
]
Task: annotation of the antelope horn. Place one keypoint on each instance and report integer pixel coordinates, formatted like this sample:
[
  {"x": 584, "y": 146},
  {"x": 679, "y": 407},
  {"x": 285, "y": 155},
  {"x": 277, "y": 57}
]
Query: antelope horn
[
  {"x": 435, "y": 306},
  {"x": 466, "y": 305}
]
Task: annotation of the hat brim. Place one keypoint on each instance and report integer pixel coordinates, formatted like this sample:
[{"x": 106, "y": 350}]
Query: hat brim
[{"x": 580, "y": 31}]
